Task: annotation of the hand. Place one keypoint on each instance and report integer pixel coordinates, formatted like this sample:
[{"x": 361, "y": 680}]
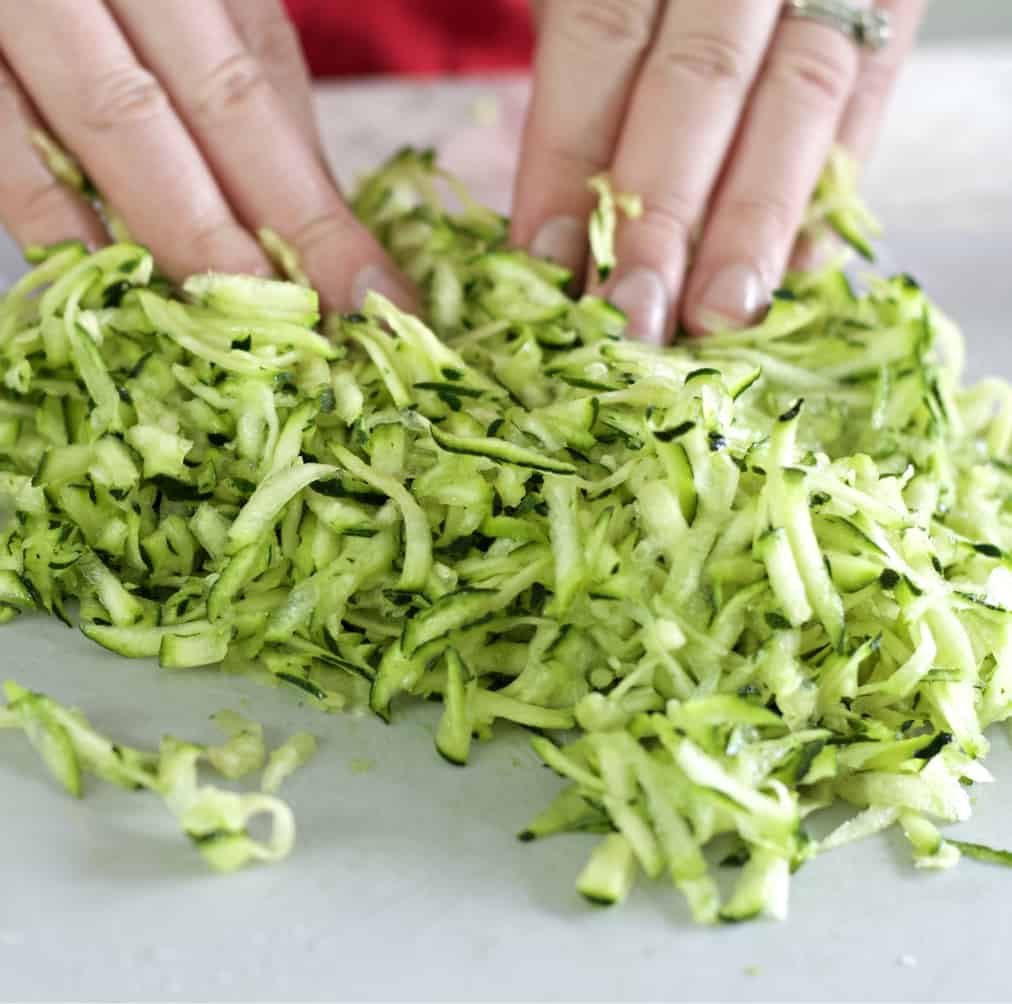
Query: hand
[
  {"x": 194, "y": 119},
  {"x": 720, "y": 114}
]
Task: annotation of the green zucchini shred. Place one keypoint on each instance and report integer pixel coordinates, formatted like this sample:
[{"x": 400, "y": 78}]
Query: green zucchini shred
[
  {"x": 981, "y": 852},
  {"x": 726, "y": 607},
  {"x": 296, "y": 750}
]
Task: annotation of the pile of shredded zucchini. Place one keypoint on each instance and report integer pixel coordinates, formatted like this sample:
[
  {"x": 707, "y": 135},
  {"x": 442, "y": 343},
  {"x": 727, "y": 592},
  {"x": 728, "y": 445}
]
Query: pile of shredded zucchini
[{"x": 728, "y": 584}]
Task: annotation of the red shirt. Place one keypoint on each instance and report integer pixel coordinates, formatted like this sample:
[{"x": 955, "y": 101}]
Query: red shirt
[{"x": 347, "y": 37}]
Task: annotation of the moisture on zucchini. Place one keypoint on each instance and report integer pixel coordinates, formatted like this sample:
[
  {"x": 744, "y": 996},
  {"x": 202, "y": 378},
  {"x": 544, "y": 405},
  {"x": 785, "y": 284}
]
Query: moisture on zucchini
[{"x": 728, "y": 584}]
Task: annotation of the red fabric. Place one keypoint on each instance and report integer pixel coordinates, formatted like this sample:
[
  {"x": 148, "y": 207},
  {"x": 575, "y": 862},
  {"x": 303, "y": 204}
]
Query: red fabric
[{"x": 346, "y": 37}]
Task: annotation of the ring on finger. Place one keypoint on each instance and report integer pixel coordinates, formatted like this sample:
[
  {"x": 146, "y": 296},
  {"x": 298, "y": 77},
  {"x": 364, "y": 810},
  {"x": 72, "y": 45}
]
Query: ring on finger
[{"x": 869, "y": 27}]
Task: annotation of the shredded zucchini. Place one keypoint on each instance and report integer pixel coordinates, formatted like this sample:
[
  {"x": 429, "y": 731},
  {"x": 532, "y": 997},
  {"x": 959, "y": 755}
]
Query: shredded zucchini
[
  {"x": 215, "y": 819},
  {"x": 737, "y": 581},
  {"x": 604, "y": 220},
  {"x": 244, "y": 749},
  {"x": 286, "y": 759},
  {"x": 981, "y": 852}
]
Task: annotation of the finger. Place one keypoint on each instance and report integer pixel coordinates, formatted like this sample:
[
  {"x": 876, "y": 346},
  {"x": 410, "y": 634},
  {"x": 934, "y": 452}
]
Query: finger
[
  {"x": 587, "y": 56},
  {"x": 74, "y": 61},
  {"x": 681, "y": 120},
  {"x": 34, "y": 206},
  {"x": 270, "y": 37},
  {"x": 271, "y": 175},
  {"x": 862, "y": 119},
  {"x": 780, "y": 151},
  {"x": 863, "y": 116}
]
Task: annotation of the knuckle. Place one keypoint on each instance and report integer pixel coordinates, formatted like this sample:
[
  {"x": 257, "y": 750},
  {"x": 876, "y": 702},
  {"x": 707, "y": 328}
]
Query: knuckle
[
  {"x": 762, "y": 213},
  {"x": 610, "y": 23},
  {"x": 877, "y": 79},
  {"x": 711, "y": 58},
  {"x": 122, "y": 95},
  {"x": 272, "y": 40},
  {"x": 229, "y": 88},
  {"x": 571, "y": 162},
  {"x": 221, "y": 243},
  {"x": 670, "y": 221},
  {"x": 814, "y": 77},
  {"x": 36, "y": 200},
  {"x": 324, "y": 232}
]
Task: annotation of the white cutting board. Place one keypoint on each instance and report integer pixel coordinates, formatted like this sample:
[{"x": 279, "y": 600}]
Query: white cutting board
[{"x": 407, "y": 881}]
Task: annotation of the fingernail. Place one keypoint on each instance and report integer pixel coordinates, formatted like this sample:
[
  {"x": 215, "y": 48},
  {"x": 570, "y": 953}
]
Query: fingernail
[
  {"x": 733, "y": 298},
  {"x": 641, "y": 296},
  {"x": 380, "y": 280},
  {"x": 562, "y": 239}
]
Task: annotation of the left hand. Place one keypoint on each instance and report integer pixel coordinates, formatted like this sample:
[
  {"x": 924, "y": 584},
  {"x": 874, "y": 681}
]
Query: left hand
[
  {"x": 720, "y": 114},
  {"x": 195, "y": 118}
]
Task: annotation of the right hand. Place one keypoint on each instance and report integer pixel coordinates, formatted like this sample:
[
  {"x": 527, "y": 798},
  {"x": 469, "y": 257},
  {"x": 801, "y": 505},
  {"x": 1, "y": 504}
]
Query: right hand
[
  {"x": 194, "y": 119},
  {"x": 720, "y": 114}
]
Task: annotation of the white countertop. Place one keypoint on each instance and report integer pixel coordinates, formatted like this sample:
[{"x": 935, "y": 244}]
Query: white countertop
[{"x": 407, "y": 881}]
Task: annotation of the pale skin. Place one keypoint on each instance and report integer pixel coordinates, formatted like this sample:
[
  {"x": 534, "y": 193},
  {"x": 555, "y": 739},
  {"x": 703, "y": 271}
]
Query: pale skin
[{"x": 195, "y": 117}]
